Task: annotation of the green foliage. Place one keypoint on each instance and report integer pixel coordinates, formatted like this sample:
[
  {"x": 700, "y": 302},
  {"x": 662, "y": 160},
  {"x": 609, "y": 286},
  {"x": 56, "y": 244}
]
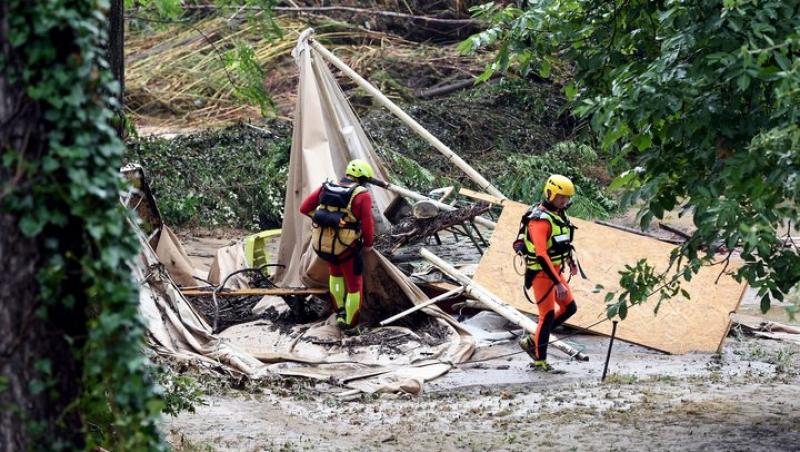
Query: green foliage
[
  {"x": 408, "y": 173},
  {"x": 703, "y": 95},
  {"x": 249, "y": 85},
  {"x": 509, "y": 131},
  {"x": 178, "y": 392},
  {"x": 233, "y": 177},
  {"x": 524, "y": 180},
  {"x": 73, "y": 211}
]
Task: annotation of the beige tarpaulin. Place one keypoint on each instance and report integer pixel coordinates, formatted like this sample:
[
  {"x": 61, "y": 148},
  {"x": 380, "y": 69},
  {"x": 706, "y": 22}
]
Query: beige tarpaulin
[
  {"x": 228, "y": 260},
  {"x": 315, "y": 350},
  {"x": 172, "y": 254},
  {"x": 174, "y": 326},
  {"x": 327, "y": 135},
  {"x": 681, "y": 326}
]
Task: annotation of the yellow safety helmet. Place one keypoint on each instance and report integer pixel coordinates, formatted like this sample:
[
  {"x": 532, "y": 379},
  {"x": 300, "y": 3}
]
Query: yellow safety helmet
[
  {"x": 359, "y": 168},
  {"x": 558, "y": 185}
]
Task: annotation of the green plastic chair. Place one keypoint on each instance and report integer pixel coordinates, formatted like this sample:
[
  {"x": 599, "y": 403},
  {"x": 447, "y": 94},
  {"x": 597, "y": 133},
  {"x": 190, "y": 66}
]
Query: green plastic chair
[{"x": 255, "y": 247}]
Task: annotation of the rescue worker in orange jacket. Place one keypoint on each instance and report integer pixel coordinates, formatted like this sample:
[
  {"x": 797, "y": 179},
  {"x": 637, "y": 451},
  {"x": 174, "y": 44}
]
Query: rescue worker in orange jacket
[
  {"x": 547, "y": 246},
  {"x": 342, "y": 227}
]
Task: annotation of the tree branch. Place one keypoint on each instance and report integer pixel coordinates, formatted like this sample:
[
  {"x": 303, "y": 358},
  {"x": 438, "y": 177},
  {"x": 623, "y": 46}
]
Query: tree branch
[{"x": 347, "y": 9}]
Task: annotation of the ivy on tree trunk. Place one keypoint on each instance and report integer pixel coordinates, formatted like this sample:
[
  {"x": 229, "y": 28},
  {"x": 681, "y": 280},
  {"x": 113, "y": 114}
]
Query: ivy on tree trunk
[{"x": 72, "y": 374}]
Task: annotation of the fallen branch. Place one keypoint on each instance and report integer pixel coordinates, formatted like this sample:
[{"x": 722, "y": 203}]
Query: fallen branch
[
  {"x": 674, "y": 230},
  {"x": 347, "y": 9},
  {"x": 416, "y": 196},
  {"x": 415, "y": 229},
  {"x": 449, "y": 88}
]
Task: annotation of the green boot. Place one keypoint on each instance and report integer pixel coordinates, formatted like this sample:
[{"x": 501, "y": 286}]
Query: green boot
[
  {"x": 544, "y": 366},
  {"x": 337, "y": 290},
  {"x": 352, "y": 305},
  {"x": 526, "y": 343}
]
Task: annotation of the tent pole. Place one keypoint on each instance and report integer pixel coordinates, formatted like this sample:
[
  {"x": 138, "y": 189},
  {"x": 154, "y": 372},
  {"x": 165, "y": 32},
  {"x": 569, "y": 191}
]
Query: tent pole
[
  {"x": 415, "y": 126},
  {"x": 420, "y": 306},
  {"x": 493, "y": 302}
]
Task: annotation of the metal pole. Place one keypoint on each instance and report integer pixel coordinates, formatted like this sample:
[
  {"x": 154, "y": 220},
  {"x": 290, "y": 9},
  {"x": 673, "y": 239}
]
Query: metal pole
[
  {"x": 610, "y": 344},
  {"x": 415, "y": 126},
  {"x": 416, "y": 308}
]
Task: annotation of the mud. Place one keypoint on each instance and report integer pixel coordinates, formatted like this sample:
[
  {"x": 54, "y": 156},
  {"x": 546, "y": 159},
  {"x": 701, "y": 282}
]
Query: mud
[{"x": 745, "y": 398}]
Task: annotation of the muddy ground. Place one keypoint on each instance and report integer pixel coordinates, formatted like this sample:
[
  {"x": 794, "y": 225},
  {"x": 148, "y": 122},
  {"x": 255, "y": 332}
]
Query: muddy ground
[{"x": 745, "y": 398}]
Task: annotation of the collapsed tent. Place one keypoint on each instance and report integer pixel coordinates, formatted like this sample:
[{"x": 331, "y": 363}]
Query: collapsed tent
[{"x": 327, "y": 135}]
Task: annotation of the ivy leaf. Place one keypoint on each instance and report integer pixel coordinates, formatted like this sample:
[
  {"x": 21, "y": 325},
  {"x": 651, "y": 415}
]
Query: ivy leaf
[
  {"x": 642, "y": 142},
  {"x": 544, "y": 69},
  {"x": 31, "y": 225}
]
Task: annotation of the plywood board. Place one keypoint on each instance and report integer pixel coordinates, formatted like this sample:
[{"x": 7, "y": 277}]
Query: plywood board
[{"x": 681, "y": 326}]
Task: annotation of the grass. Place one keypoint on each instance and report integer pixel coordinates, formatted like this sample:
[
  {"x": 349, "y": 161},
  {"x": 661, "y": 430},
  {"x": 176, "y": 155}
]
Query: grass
[{"x": 621, "y": 379}]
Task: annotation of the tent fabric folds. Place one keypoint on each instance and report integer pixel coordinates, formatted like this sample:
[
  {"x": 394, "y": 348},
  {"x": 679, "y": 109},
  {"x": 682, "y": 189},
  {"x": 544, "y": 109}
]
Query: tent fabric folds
[{"x": 327, "y": 134}]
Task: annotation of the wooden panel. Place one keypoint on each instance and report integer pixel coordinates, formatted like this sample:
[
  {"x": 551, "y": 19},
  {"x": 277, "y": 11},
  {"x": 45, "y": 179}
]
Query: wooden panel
[
  {"x": 251, "y": 292},
  {"x": 681, "y": 326},
  {"x": 481, "y": 196}
]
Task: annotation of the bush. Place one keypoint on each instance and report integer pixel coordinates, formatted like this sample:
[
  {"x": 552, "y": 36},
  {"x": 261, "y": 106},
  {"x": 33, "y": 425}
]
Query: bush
[{"x": 231, "y": 177}]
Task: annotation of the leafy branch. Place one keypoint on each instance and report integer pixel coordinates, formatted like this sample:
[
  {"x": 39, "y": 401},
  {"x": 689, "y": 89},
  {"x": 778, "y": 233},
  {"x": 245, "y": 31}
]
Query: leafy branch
[{"x": 701, "y": 98}]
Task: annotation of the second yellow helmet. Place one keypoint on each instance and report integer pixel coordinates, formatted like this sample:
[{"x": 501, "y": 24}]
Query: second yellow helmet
[{"x": 558, "y": 185}]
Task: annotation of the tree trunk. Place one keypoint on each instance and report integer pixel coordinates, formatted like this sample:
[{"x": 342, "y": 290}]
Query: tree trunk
[
  {"x": 33, "y": 351},
  {"x": 116, "y": 56}
]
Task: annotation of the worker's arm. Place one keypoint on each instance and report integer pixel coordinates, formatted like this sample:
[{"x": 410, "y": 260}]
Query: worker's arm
[
  {"x": 539, "y": 231},
  {"x": 310, "y": 203},
  {"x": 362, "y": 209}
]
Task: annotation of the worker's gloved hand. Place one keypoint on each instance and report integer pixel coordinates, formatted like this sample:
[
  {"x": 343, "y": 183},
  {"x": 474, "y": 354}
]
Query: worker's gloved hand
[
  {"x": 519, "y": 246},
  {"x": 561, "y": 292},
  {"x": 367, "y": 249}
]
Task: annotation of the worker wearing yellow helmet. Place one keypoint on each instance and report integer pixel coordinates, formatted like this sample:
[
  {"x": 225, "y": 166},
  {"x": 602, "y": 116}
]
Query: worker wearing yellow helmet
[
  {"x": 545, "y": 240},
  {"x": 341, "y": 213}
]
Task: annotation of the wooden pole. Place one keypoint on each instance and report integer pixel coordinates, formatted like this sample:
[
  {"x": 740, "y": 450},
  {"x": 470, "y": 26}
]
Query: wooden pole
[
  {"x": 249, "y": 292},
  {"x": 416, "y": 308},
  {"x": 493, "y": 302},
  {"x": 413, "y": 124}
]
